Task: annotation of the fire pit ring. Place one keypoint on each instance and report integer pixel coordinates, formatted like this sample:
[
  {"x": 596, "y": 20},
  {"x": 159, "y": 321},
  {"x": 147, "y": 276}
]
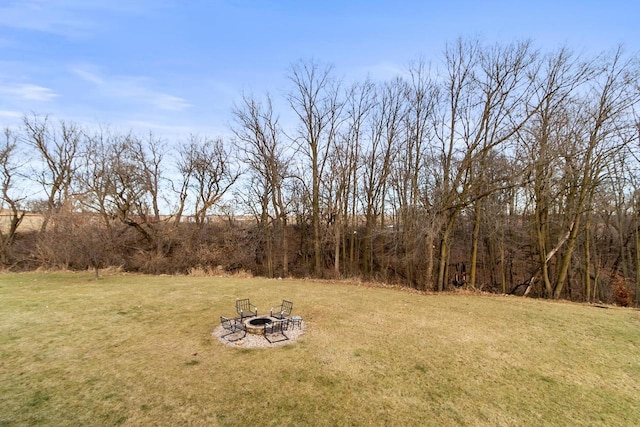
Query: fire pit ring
[{"x": 255, "y": 325}]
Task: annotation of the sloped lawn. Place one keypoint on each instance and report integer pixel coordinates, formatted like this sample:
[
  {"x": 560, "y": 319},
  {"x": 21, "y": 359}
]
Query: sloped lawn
[{"x": 138, "y": 350}]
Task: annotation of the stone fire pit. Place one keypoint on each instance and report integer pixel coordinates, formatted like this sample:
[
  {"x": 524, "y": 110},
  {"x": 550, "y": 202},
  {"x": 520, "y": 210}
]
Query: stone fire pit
[
  {"x": 255, "y": 325},
  {"x": 254, "y": 338}
]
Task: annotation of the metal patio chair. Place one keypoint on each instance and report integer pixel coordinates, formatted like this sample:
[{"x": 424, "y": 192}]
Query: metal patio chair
[
  {"x": 274, "y": 331},
  {"x": 245, "y": 308},
  {"x": 283, "y": 310},
  {"x": 234, "y": 327}
]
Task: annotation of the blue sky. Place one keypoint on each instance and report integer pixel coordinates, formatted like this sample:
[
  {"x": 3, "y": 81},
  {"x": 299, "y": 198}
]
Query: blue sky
[{"x": 177, "y": 67}]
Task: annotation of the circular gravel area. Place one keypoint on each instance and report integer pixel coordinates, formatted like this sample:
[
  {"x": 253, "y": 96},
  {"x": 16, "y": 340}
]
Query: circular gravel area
[{"x": 259, "y": 341}]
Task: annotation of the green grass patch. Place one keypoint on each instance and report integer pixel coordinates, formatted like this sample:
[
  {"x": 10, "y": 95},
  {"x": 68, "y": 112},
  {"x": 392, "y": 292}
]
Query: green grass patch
[{"x": 137, "y": 350}]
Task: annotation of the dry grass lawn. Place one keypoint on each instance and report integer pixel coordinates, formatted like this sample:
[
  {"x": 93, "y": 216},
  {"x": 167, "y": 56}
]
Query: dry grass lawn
[{"x": 137, "y": 350}]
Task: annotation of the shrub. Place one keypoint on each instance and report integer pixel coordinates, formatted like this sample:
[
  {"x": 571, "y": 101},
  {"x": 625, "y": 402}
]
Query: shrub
[{"x": 621, "y": 294}]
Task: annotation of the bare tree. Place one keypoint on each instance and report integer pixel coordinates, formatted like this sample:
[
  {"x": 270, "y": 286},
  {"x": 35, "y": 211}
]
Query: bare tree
[
  {"x": 583, "y": 121},
  {"x": 505, "y": 86},
  {"x": 423, "y": 96},
  {"x": 387, "y": 118},
  {"x": 58, "y": 149},
  {"x": 9, "y": 199},
  {"x": 94, "y": 175},
  {"x": 208, "y": 173},
  {"x": 184, "y": 167},
  {"x": 559, "y": 76},
  {"x": 604, "y": 126},
  {"x": 314, "y": 99},
  {"x": 149, "y": 154},
  {"x": 127, "y": 187},
  {"x": 260, "y": 142},
  {"x": 458, "y": 97},
  {"x": 485, "y": 89},
  {"x": 342, "y": 181}
]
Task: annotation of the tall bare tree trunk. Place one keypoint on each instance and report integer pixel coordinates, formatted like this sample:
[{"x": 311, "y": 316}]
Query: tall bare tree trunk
[
  {"x": 587, "y": 256},
  {"x": 503, "y": 269},
  {"x": 428, "y": 250},
  {"x": 444, "y": 252},
  {"x": 474, "y": 245},
  {"x": 336, "y": 252},
  {"x": 637, "y": 235},
  {"x": 285, "y": 248}
]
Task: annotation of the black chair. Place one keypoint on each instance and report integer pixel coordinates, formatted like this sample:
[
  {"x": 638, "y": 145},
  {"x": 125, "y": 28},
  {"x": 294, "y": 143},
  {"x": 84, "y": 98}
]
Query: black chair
[
  {"x": 274, "y": 331},
  {"x": 283, "y": 310},
  {"x": 245, "y": 308},
  {"x": 233, "y": 326}
]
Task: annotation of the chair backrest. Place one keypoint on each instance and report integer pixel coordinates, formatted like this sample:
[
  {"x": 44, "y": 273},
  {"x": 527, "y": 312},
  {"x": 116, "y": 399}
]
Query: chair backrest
[
  {"x": 275, "y": 327},
  {"x": 243, "y": 304},
  {"x": 274, "y": 332},
  {"x": 225, "y": 322},
  {"x": 287, "y": 307}
]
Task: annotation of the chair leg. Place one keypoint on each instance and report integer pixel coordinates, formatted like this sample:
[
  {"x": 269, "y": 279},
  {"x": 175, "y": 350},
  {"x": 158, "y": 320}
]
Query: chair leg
[
  {"x": 279, "y": 332},
  {"x": 244, "y": 333},
  {"x": 274, "y": 341}
]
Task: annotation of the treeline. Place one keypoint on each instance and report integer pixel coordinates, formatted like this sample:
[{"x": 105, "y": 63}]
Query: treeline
[{"x": 503, "y": 168}]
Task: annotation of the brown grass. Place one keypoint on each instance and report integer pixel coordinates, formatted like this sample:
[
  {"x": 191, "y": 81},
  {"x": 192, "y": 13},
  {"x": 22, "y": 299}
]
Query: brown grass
[
  {"x": 137, "y": 350},
  {"x": 30, "y": 222}
]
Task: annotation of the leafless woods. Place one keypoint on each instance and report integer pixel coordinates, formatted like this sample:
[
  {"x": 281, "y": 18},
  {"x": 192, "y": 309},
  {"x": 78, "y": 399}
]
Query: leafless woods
[{"x": 502, "y": 168}]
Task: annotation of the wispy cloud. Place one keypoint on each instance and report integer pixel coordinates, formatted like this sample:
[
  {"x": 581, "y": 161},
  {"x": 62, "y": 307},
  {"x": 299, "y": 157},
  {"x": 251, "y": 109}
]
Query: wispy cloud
[
  {"x": 8, "y": 114},
  {"x": 168, "y": 102},
  {"x": 40, "y": 15},
  {"x": 71, "y": 18},
  {"x": 88, "y": 76},
  {"x": 133, "y": 89},
  {"x": 28, "y": 92}
]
